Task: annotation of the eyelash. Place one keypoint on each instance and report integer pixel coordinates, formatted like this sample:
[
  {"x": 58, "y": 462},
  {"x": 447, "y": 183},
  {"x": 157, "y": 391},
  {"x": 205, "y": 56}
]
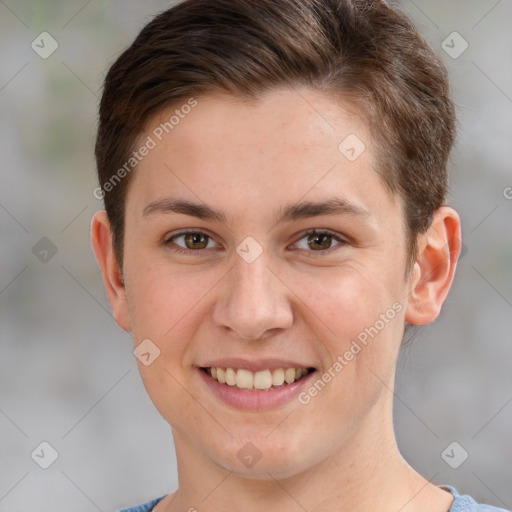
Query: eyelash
[{"x": 193, "y": 252}]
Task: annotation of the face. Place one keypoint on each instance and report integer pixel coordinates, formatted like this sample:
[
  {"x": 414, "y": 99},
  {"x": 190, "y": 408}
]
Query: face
[{"x": 254, "y": 241}]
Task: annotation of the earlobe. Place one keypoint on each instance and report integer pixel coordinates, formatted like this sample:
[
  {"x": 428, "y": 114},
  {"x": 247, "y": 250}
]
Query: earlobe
[
  {"x": 101, "y": 238},
  {"x": 434, "y": 269}
]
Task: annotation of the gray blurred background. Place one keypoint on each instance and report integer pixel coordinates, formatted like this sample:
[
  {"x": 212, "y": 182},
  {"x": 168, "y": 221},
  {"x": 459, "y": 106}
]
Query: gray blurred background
[{"x": 68, "y": 375}]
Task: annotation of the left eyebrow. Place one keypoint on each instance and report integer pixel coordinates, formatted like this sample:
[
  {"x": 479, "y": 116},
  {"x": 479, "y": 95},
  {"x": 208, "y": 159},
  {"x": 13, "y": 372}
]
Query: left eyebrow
[
  {"x": 290, "y": 213},
  {"x": 308, "y": 209}
]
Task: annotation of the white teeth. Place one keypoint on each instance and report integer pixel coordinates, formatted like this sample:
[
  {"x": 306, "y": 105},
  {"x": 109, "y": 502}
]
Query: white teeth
[
  {"x": 244, "y": 379},
  {"x": 230, "y": 377},
  {"x": 289, "y": 375},
  {"x": 262, "y": 380},
  {"x": 278, "y": 377}
]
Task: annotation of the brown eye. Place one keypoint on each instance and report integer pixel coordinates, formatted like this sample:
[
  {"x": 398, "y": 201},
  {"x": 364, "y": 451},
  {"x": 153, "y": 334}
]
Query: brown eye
[
  {"x": 190, "y": 242},
  {"x": 196, "y": 240},
  {"x": 320, "y": 241}
]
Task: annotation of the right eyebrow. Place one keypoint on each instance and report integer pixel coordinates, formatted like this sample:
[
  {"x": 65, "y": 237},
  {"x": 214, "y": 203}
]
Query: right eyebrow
[{"x": 172, "y": 205}]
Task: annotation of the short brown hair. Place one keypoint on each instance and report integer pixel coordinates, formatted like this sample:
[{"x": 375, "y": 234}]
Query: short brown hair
[{"x": 362, "y": 52}]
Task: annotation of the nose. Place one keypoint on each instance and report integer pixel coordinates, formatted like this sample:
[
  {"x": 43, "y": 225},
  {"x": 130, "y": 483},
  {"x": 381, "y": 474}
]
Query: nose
[{"x": 253, "y": 302}]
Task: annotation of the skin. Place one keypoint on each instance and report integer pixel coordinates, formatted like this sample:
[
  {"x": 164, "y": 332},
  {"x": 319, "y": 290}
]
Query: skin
[{"x": 338, "y": 452}]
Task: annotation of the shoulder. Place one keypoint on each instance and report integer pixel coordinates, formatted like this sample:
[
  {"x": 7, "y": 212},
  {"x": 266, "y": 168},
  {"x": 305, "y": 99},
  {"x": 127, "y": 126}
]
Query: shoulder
[
  {"x": 465, "y": 503},
  {"x": 461, "y": 503},
  {"x": 144, "y": 507},
  {"x": 468, "y": 504}
]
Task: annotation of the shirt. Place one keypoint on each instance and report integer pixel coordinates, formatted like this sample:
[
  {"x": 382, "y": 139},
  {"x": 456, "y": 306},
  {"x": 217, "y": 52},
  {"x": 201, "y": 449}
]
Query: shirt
[{"x": 462, "y": 503}]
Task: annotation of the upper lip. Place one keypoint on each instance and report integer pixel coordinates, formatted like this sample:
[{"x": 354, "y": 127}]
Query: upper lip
[{"x": 254, "y": 365}]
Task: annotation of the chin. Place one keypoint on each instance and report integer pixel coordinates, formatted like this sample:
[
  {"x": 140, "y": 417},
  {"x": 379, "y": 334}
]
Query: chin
[{"x": 264, "y": 458}]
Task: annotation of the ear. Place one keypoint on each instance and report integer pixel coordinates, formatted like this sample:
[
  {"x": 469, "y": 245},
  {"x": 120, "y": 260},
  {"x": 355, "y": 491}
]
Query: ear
[
  {"x": 101, "y": 238},
  {"x": 434, "y": 269}
]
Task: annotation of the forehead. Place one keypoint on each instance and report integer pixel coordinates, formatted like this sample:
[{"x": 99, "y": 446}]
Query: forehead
[
  {"x": 288, "y": 144},
  {"x": 278, "y": 122}
]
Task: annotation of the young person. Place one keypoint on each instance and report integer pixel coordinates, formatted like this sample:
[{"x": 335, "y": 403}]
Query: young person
[{"x": 274, "y": 178}]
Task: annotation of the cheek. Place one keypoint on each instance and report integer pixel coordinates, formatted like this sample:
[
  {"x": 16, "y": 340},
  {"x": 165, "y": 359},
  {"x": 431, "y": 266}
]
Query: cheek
[
  {"x": 346, "y": 299},
  {"x": 359, "y": 320},
  {"x": 167, "y": 304},
  {"x": 357, "y": 315},
  {"x": 167, "y": 307}
]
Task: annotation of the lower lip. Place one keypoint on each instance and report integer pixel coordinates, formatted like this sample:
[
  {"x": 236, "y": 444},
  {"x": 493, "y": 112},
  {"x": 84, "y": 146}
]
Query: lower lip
[{"x": 256, "y": 400}]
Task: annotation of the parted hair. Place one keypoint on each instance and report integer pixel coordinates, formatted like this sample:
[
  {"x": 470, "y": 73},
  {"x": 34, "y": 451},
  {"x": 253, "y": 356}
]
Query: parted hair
[{"x": 363, "y": 53}]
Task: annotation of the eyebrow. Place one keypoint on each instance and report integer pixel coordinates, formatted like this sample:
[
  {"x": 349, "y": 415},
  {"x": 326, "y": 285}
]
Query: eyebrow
[{"x": 292, "y": 212}]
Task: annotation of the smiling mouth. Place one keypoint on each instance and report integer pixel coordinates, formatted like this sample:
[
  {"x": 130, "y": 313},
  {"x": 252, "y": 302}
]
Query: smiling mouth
[{"x": 264, "y": 380}]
